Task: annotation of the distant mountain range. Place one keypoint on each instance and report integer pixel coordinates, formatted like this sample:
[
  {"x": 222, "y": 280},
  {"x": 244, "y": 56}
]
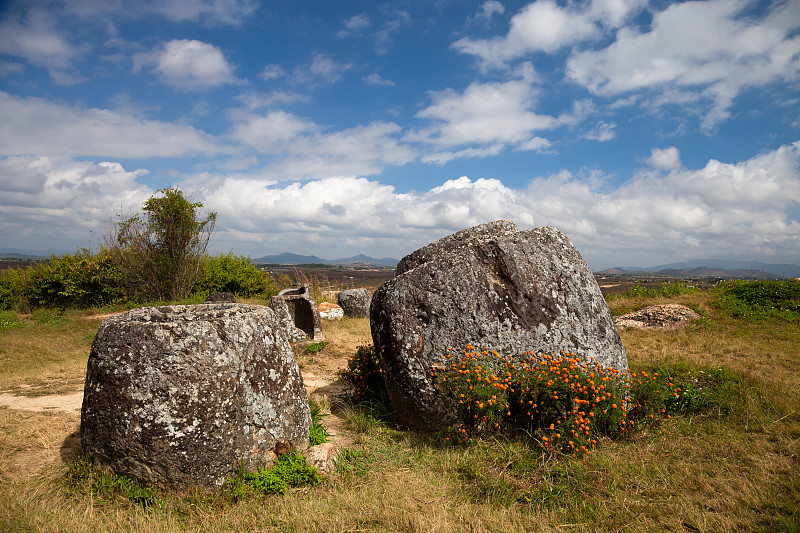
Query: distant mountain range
[
  {"x": 721, "y": 268},
  {"x": 287, "y": 258}
]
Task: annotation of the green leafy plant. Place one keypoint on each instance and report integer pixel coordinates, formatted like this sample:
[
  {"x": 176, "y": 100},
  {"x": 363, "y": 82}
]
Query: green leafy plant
[
  {"x": 317, "y": 434},
  {"x": 161, "y": 251},
  {"x": 10, "y": 320},
  {"x": 234, "y": 274},
  {"x": 760, "y": 300},
  {"x": 288, "y": 471},
  {"x": 364, "y": 374},
  {"x": 315, "y": 347}
]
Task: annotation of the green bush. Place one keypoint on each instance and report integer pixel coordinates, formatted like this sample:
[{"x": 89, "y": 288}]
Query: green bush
[
  {"x": 760, "y": 299},
  {"x": 234, "y": 274},
  {"x": 10, "y": 320},
  {"x": 13, "y": 288},
  {"x": 364, "y": 374},
  {"x": 77, "y": 280}
]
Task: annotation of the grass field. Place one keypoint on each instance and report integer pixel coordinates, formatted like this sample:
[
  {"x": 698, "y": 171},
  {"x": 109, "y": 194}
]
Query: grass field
[{"x": 732, "y": 463}]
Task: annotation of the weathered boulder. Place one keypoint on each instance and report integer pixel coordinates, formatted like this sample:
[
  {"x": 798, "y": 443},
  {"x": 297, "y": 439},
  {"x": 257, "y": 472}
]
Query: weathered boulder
[
  {"x": 183, "y": 396},
  {"x": 354, "y": 302},
  {"x": 492, "y": 286},
  {"x": 220, "y": 297},
  {"x": 330, "y": 311},
  {"x": 663, "y": 317}
]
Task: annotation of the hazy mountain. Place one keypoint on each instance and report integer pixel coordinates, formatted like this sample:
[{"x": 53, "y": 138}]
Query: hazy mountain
[
  {"x": 288, "y": 258},
  {"x": 716, "y": 268}
]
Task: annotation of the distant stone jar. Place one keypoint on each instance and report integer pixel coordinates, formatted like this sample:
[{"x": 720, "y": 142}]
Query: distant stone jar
[
  {"x": 354, "y": 302},
  {"x": 183, "y": 396}
]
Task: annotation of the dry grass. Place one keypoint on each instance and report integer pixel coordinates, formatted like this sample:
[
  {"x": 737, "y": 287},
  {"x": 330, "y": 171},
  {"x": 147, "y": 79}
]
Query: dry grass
[{"x": 736, "y": 472}]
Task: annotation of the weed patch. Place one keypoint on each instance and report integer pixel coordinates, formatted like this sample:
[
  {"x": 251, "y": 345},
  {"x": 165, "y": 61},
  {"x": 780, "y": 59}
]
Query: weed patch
[{"x": 760, "y": 300}]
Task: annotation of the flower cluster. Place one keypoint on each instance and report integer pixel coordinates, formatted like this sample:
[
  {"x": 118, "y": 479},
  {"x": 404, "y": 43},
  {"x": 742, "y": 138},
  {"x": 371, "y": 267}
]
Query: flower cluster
[{"x": 565, "y": 403}]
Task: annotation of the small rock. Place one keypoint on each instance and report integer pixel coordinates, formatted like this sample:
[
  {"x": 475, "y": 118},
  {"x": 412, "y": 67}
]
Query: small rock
[
  {"x": 322, "y": 457},
  {"x": 220, "y": 298},
  {"x": 664, "y": 317},
  {"x": 330, "y": 311}
]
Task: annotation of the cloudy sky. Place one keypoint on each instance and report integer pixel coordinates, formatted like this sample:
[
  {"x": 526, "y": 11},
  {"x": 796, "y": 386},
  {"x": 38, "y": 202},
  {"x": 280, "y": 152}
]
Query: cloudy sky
[{"x": 648, "y": 131}]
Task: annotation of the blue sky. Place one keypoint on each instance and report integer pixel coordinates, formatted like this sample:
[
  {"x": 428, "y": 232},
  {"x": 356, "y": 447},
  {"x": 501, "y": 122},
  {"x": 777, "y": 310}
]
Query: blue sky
[{"x": 648, "y": 131}]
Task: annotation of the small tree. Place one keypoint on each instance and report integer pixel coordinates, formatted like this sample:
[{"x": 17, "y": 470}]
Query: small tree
[{"x": 160, "y": 252}]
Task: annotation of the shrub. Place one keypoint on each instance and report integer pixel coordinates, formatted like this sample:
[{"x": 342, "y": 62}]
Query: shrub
[
  {"x": 234, "y": 274},
  {"x": 760, "y": 299},
  {"x": 563, "y": 403},
  {"x": 364, "y": 374},
  {"x": 13, "y": 288},
  {"x": 318, "y": 434},
  {"x": 75, "y": 280},
  {"x": 160, "y": 251}
]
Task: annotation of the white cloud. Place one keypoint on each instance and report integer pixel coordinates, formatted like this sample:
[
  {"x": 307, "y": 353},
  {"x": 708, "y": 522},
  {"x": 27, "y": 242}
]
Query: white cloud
[
  {"x": 37, "y": 126},
  {"x": 58, "y": 201},
  {"x": 302, "y": 149},
  {"x": 212, "y": 12},
  {"x": 664, "y": 159},
  {"x": 746, "y": 209},
  {"x": 723, "y": 209},
  {"x": 376, "y": 79},
  {"x": 272, "y": 72},
  {"x": 489, "y": 9},
  {"x": 354, "y": 25},
  {"x": 188, "y": 64},
  {"x": 536, "y": 144},
  {"x": 697, "y": 50},
  {"x": 603, "y": 131},
  {"x": 35, "y": 38},
  {"x": 325, "y": 68},
  {"x": 545, "y": 26},
  {"x": 485, "y": 113},
  {"x": 254, "y": 101}
]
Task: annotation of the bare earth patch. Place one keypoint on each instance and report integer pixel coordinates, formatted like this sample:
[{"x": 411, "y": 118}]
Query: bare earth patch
[{"x": 66, "y": 403}]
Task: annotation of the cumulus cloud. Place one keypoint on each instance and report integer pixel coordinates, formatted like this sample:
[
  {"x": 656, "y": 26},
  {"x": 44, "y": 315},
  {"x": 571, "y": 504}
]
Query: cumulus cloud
[
  {"x": 744, "y": 209},
  {"x": 696, "y": 51},
  {"x": 188, "y": 64},
  {"x": 61, "y": 202},
  {"x": 723, "y": 209},
  {"x": 664, "y": 159},
  {"x": 37, "y": 126},
  {"x": 545, "y": 26},
  {"x": 355, "y": 24},
  {"x": 303, "y": 149},
  {"x": 485, "y": 113}
]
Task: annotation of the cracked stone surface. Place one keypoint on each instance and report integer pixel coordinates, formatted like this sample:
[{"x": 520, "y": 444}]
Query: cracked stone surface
[
  {"x": 496, "y": 287},
  {"x": 184, "y": 395}
]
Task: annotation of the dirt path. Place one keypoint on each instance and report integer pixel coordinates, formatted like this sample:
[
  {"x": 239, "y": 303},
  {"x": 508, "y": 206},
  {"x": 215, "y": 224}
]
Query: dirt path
[{"x": 66, "y": 403}]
